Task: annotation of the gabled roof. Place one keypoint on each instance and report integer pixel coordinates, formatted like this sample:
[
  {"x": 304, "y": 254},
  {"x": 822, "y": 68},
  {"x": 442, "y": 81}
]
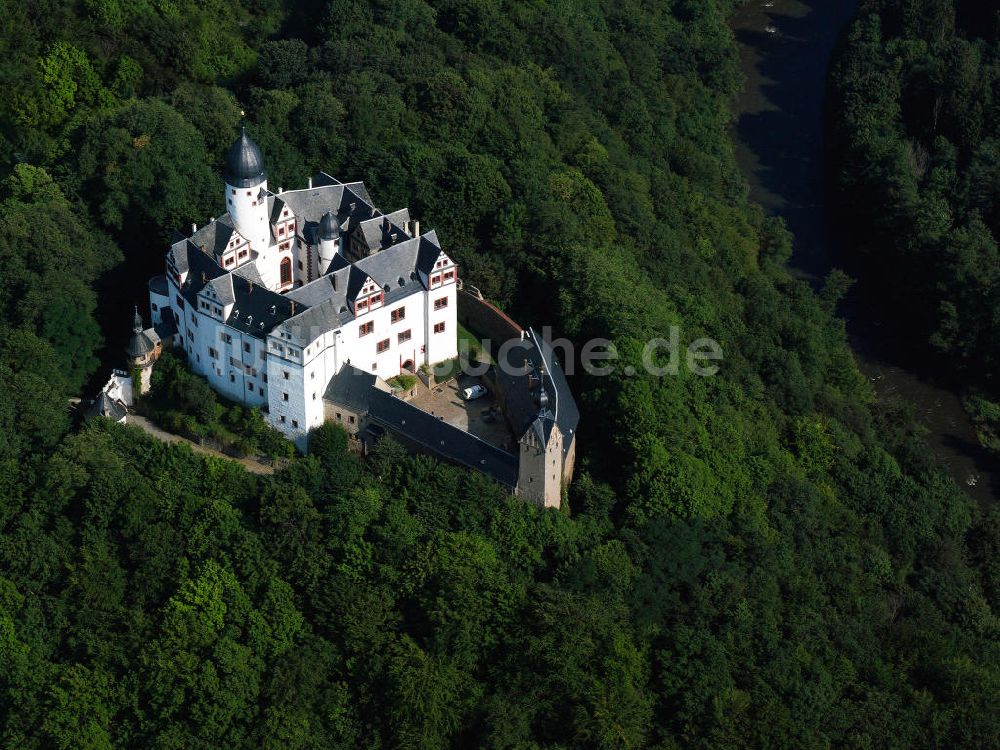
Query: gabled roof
[
  {"x": 356, "y": 279},
  {"x": 312, "y": 322},
  {"x": 222, "y": 286},
  {"x": 333, "y": 286},
  {"x": 430, "y": 251},
  {"x": 213, "y": 238},
  {"x": 386, "y": 266},
  {"x": 378, "y": 232},
  {"x": 202, "y": 268}
]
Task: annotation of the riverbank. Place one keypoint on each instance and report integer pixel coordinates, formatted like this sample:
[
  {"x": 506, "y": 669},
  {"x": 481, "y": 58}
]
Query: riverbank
[{"x": 786, "y": 48}]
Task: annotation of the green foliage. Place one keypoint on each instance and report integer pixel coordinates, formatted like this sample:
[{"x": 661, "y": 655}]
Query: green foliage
[
  {"x": 917, "y": 135},
  {"x": 403, "y": 382},
  {"x": 183, "y": 402}
]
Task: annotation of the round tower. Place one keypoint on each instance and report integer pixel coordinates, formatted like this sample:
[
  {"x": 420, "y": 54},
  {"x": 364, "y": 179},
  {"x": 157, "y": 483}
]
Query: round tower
[
  {"x": 329, "y": 240},
  {"x": 141, "y": 352},
  {"x": 246, "y": 191}
]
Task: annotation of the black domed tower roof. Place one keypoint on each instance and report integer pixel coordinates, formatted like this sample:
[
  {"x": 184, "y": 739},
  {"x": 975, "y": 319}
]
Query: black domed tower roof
[
  {"x": 329, "y": 227},
  {"x": 244, "y": 163}
]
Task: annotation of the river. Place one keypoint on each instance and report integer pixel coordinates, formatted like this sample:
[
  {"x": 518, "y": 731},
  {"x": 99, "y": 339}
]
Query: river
[{"x": 785, "y": 52}]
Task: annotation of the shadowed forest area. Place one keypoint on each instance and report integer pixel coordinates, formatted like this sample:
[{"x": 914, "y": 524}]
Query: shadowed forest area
[
  {"x": 761, "y": 558},
  {"x": 918, "y": 145}
]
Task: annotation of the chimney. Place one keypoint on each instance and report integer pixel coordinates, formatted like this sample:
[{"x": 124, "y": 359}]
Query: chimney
[
  {"x": 249, "y": 287},
  {"x": 280, "y": 190},
  {"x": 211, "y": 219},
  {"x": 310, "y": 183},
  {"x": 194, "y": 227},
  {"x": 293, "y": 308},
  {"x": 416, "y": 228},
  {"x": 204, "y": 278},
  {"x": 353, "y": 206}
]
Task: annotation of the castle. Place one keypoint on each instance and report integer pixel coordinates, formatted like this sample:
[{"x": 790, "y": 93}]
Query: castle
[
  {"x": 303, "y": 303},
  {"x": 271, "y": 299}
]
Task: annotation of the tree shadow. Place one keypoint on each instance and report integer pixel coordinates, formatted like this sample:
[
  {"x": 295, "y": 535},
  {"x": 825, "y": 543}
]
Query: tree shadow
[{"x": 786, "y": 131}]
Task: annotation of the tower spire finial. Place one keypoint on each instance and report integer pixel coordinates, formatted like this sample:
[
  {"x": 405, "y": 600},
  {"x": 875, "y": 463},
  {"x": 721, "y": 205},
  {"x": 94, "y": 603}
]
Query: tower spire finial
[{"x": 137, "y": 321}]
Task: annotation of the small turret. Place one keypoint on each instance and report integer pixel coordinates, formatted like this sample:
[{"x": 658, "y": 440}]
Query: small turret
[
  {"x": 329, "y": 240},
  {"x": 142, "y": 350},
  {"x": 139, "y": 346}
]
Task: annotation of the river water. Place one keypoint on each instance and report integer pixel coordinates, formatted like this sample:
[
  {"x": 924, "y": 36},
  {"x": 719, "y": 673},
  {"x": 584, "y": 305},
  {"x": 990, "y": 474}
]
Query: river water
[{"x": 785, "y": 52}]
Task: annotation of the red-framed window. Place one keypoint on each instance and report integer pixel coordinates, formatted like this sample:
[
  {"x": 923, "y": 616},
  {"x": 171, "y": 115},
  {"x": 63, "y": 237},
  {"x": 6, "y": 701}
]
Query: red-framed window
[
  {"x": 286, "y": 270},
  {"x": 436, "y": 279},
  {"x": 440, "y": 303},
  {"x": 439, "y": 328},
  {"x": 365, "y": 328},
  {"x": 398, "y": 314},
  {"x": 382, "y": 346},
  {"x": 449, "y": 275},
  {"x": 405, "y": 336}
]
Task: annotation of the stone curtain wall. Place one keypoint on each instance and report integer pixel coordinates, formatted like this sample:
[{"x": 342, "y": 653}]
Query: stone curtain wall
[{"x": 486, "y": 320}]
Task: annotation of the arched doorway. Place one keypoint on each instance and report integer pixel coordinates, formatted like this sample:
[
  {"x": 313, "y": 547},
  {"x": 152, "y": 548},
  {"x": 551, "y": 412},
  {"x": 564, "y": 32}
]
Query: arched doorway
[
  {"x": 408, "y": 365},
  {"x": 286, "y": 271}
]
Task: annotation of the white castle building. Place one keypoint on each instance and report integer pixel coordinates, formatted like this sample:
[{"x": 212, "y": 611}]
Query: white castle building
[{"x": 273, "y": 298}]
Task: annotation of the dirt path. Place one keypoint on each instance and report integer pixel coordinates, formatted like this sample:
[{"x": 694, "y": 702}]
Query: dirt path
[{"x": 168, "y": 437}]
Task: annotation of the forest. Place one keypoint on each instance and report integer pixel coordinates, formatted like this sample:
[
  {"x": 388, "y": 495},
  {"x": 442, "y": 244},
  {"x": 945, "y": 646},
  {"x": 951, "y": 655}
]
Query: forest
[
  {"x": 916, "y": 98},
  {"x": 764, "y": 558}
]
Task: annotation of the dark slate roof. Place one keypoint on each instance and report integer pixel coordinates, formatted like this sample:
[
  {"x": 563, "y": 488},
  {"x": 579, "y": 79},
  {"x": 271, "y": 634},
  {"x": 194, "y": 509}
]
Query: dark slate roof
[
  {"x": 430, "y": 251},
  {"x": 257, "y": 310},
  {"x": 329, "y": 227},
  {"x": 356, "y": 279},
  {"x": 350, "y": 388},
  {"x": 202, "y": 268},
  {"x": 384, "y": 231},
  {"x": 249, "y": 272},
  {"x": 530, "y": 367},
  {"x": 561, "y": 401},
  {"x": 244, "y": 163},
  {"x": 277, "y": 206},
  {"x": 333, "y": 286},
  {"x": 105, "y": 406},
  {"x": 139, "y": 345},
  {"x": 449, "y": 442},
  {"x": 309, "y": 324},
  {"x": 214, "y": 237},
  {"x": 178, "y": 254},
  {"x": 223, "y": 288}
]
